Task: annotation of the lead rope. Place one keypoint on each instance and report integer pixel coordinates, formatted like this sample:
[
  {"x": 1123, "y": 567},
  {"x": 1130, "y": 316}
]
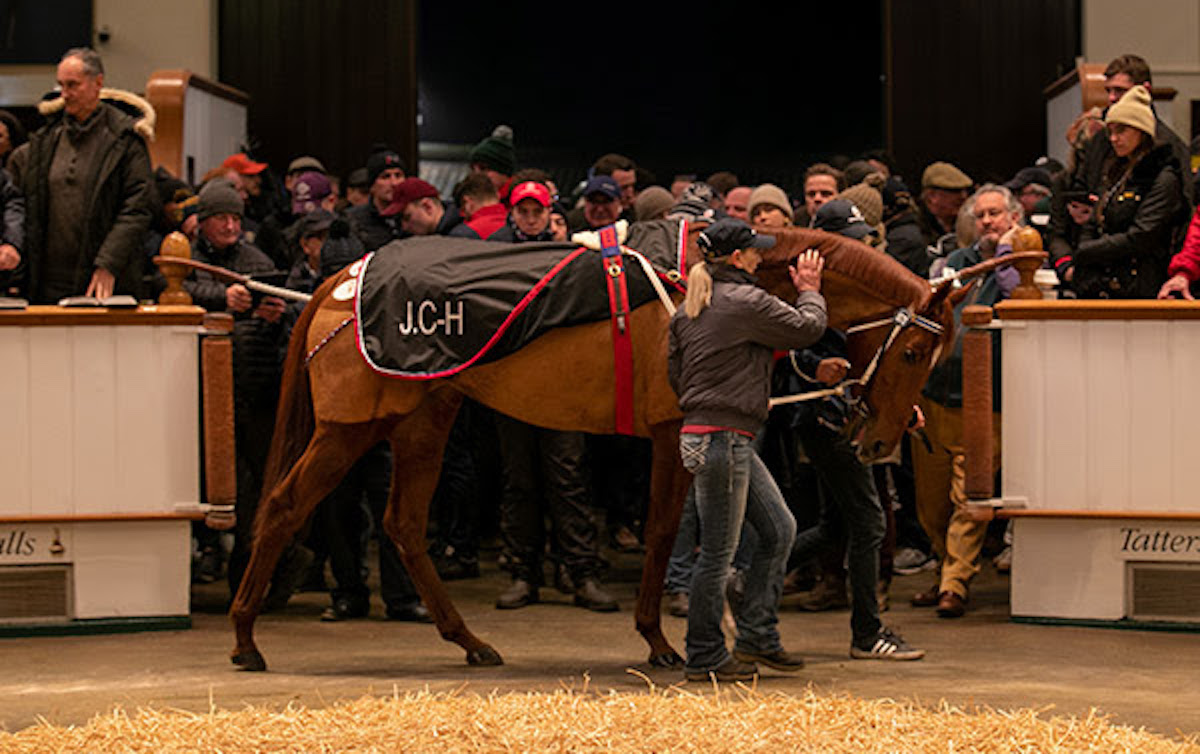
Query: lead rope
[
  {"x": 652, "y": 276},
  {"x": 901, "y": 319}
]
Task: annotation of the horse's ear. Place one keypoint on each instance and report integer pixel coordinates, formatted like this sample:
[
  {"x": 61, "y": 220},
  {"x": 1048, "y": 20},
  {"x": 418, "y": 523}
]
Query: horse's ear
[
  {"x": 945, "y": 290},
  {"x": 940, "y": 291},
  {"x": 959, "y": 294}
]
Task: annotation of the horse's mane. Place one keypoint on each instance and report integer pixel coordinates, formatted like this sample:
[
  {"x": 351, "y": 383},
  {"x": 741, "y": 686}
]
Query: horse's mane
[{"x": 886, "y": 277}]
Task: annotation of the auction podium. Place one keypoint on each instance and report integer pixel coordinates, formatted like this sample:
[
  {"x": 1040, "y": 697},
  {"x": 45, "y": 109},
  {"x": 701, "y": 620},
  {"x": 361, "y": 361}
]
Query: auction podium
[
  {"x": 100, "y": 457},
  {"x": 1100, "y": 466}
]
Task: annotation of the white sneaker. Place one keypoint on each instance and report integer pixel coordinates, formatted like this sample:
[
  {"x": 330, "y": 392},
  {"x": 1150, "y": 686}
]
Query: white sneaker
[
  {"x": 1003, "y": 561},
  {"x": 888, "y": 645},
  {"x": 910, "y": 560}
]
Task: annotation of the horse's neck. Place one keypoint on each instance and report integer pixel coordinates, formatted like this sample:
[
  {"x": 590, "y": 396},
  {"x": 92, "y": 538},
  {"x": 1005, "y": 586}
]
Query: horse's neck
[{"x": 851, "y": 301}]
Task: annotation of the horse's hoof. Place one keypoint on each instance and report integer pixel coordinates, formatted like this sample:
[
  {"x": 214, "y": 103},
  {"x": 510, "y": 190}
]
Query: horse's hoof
[
  {"x": 668, "y": 659},
  {"x": 484, "y": 657},
  {"x": 252, "y": 660}
]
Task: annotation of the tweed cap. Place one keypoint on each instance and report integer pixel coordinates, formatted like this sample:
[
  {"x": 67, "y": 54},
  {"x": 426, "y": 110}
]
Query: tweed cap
[
  {"x": 653, "y": 203},
  {"x": 943, "y": 175}
]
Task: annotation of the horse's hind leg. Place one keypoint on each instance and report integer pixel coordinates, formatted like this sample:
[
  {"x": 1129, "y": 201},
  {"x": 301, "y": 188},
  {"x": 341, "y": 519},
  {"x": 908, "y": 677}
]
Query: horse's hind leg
[
  {"x": 669, "y": 483},
  {"x": 331, "y": 452},
  {"x": 417, "y": 447}
]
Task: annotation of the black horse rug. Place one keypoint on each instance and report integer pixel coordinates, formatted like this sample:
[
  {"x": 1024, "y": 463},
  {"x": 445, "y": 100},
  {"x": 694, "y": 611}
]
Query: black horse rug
[{"x": 431, "y": 306}]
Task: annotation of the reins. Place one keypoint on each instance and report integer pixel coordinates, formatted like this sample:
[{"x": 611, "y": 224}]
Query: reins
[{"x": 902, "y": 318}]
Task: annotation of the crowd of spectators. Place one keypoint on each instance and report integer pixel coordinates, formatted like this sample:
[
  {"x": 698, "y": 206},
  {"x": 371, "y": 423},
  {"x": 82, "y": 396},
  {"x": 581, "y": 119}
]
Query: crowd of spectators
[{"x": 83, "y": 211}]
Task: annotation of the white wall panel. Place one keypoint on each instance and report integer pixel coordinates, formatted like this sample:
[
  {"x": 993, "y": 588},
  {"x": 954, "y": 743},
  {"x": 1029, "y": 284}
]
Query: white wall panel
[
  {"x": 15, "y": 440},
  {"x": 113, "y": 579},
  {"x": 99, "y": 420},
  {"x": 94, "y": 419},
  {"x": 52, "y": 470},
  {"x": 1066, "y": 420}
]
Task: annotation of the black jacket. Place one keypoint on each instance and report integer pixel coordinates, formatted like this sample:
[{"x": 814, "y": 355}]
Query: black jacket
[
  {"x": 12, "y": 231},
  {"x": 373, "y": 229},
  {"x": 1137, "y": 225},
  {"x": 258, "y": 345},
  {"x": 118, "y": 213},
  {"x": 906, "y": 244},
  {"x": 1063, "y": 236}
]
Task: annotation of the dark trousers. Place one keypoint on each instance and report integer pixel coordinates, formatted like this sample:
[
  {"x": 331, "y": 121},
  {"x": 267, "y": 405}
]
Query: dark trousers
[
  {"x": 624, "y": 496},
  {"x": 848, "y": 488},
  {"x": 544, "y": 475},
  {"x": 253, "y": 424},
  {"x": 458, "y": 510},
  {"x": 348, "y": 524}
]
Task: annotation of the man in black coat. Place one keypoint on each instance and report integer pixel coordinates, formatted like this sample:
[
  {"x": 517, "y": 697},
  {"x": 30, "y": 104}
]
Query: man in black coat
[
  {"x": 86, "y": 177},
  {"x": 385, "y": 172},
  {"x": 259, "y": 339}
]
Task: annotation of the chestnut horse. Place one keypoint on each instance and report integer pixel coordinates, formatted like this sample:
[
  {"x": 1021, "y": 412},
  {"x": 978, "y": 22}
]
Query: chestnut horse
[{"x": 333, "y": 408}]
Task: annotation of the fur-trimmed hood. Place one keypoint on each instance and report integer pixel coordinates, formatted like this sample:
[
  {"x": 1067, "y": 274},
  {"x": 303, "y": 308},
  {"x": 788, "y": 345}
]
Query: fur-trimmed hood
[{"x": 127, "y": 102}]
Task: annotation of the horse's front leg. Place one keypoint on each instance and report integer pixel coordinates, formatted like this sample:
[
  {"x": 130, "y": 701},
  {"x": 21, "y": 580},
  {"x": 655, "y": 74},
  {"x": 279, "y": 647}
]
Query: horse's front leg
[
  {"x": 331, "y": 452},
  {"x": 669, "y": 483},
  {"x": 418, "y": 444}
]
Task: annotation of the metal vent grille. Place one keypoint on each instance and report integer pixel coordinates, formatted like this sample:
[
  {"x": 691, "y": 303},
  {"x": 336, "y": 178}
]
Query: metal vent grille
[
  {"x": 1164, "y": 591},
  {"x": 34, "y": 593}
]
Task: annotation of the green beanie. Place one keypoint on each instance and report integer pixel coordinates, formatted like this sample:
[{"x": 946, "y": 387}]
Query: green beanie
[{"x": 496, "y": 152}]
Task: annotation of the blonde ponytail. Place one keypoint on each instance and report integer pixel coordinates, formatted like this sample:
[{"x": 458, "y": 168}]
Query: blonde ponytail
[{"x": 699, "y": 290}]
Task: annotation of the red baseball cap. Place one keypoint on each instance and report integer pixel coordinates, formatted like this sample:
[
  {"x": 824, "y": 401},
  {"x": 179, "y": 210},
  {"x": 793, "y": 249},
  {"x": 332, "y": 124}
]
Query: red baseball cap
[
  {"x": 530, "y": 190},
  {"x": 409, "y": 190},
  {"x": 243, "y": 164}
]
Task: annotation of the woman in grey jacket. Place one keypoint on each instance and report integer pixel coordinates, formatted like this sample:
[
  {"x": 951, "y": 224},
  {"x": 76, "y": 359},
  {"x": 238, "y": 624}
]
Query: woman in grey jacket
[{"x": 721, "y": 349}]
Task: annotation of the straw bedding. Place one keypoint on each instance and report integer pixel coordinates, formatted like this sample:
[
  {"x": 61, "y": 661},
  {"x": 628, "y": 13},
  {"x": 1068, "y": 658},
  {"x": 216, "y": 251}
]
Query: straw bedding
[{"x": 735, "y": 719}]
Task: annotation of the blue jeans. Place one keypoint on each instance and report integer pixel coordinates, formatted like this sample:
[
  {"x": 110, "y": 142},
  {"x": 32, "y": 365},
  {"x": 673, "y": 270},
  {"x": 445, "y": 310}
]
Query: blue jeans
[
  {"x": 687, "y": 541},
  {"x": 850, "y": 512},
  {"x": 733, "y": 486}
]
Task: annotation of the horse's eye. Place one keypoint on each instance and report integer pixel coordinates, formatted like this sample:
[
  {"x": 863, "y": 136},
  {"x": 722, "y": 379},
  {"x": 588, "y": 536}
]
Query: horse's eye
[{"x": 910, "y": 356}]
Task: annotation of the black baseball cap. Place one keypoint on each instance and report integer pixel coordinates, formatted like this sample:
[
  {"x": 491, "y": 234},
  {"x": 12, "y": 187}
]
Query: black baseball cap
[
  {"x": 729, "y": 234},
  {"x": 843, "y": 217}
]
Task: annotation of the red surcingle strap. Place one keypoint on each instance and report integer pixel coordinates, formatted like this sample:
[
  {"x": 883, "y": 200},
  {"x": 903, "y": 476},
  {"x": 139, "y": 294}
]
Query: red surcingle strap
[{"x": 618, "y": 304}]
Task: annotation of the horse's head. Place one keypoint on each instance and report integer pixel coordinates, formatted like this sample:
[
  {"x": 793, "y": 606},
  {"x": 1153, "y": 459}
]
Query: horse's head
[
  {"x": 896, "y": 327},
  {"x": 905, "y": 350}
]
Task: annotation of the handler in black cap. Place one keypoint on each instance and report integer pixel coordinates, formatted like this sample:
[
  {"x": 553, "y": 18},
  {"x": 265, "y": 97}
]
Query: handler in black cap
[{"x": 719, "y": 360}]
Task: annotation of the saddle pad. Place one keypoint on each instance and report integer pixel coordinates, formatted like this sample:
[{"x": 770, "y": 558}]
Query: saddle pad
[{"x": 431, "y": 306}]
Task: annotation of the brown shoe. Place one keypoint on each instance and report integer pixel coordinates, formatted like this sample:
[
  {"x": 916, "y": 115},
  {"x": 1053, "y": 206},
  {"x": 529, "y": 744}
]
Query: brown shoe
[
  {"x": 677, "y": 604},
  {"x": 828, "y": 594},
  {"x": 927, "y": 598},
  {"x": 950, "y": 605}
]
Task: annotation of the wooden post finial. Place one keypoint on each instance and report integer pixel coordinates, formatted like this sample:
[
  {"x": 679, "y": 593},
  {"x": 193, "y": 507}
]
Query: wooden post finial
[
  {"x": 1027, "y": 239},
  {"x": 174, "y": 245}
]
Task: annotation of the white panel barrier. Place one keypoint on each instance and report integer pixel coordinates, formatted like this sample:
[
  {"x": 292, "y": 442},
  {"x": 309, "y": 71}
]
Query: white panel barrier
[
  {"x": 101, "y": 452},
  {"x": 1100, "y": 415}
]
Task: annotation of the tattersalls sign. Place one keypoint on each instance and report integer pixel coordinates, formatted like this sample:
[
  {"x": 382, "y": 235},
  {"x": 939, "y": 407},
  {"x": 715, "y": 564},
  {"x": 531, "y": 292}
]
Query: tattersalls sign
[
  {"x": 22, "y": 544},
  {"x": 1158, "y": 543}
]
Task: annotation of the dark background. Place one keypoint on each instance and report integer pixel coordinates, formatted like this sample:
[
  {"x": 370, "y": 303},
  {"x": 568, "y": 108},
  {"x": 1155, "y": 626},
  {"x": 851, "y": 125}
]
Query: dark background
[
  {"x": 760, "y": 90},
  {"x": 38, "y": 32},
  {"x": 680, "y": 88}
]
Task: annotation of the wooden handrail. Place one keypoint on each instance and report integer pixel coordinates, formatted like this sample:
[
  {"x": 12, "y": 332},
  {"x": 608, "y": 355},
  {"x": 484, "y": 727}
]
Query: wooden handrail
[
  {"x": 89, "y": 518},
  {"x": 1110, "y": 309},
  {"x": 59, "y": 316},
  {"x": 1099, "y": 515}
]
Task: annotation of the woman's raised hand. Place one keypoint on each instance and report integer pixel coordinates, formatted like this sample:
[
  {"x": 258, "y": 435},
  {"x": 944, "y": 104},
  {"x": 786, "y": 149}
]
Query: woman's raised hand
[{"x": 806, "y": 272}]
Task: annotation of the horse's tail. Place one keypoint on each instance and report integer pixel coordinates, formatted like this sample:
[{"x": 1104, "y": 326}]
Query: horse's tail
[{"x": 294, "y": 422}]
